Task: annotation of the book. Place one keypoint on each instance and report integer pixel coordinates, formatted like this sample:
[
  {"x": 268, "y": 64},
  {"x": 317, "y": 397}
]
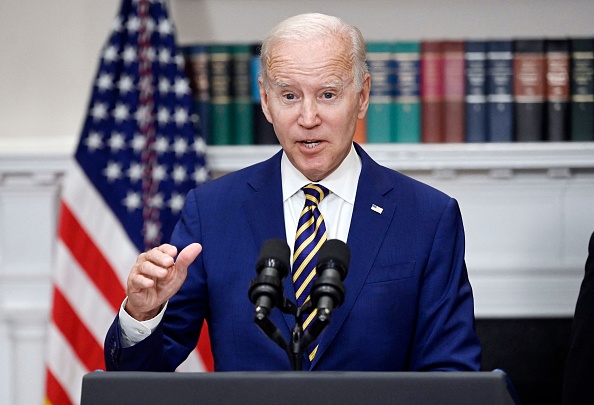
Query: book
[
  {"x": 500, "y": 122},
  {"x": 361, "y": 131},
  {"x": 196, "y": 66},
  {"x": 475, "y": 100},
  {"x": 379, "y": 113},
  {"x": 242, "y": 116},
  {"x": 453, "y": 91},
  {"x": 557, "y": 90},
  {"x": 529, "y": 89},
  {"x": 431, "y": 91},
  {"x": 582, "y": 89},
  {"x": 220, "y": 94},
  {"x": 263, "y": 130},
  {"x": 406, "y": 104}
]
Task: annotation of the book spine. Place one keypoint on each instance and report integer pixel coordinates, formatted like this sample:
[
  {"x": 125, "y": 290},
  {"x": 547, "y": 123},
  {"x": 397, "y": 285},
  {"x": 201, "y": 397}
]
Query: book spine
[
  {"x": 557, "y": 80},
  {"x": 500, "y": 124},
  {"x": 475, "y": 101},
  {"x": 431, "y": 91},
  {"x": 453, "y": 91},
  {"x": 407, "y": 94},
  {"x": 582, "y": 89},
  {"x": 196, "y": 66},
  {"x": 529, "y": 89},
  {"x": 379, "y": 117},
  {"x": 242, "y": 117},
  {"x": 263, "y": 130},
  {"x": 220, "y": 96}
]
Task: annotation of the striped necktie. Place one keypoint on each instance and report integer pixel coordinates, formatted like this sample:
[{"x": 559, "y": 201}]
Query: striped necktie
[{"x": 311, "y": 235}]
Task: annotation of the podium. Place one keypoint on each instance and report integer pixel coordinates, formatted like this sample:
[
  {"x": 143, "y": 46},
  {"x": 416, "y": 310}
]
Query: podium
[{"x": 297, "y": 387}]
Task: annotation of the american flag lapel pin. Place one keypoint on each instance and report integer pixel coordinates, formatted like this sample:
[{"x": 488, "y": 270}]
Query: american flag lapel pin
[{"x": 377, "y": 209}]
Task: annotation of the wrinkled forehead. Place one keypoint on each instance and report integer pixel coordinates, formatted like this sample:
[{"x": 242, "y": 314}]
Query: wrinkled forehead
[{"x": 327, "y": 55}]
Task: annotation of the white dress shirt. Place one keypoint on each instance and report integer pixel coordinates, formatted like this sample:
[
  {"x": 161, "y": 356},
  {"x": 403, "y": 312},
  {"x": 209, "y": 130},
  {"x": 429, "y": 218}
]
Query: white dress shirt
[{"x": 336, "y": 208}]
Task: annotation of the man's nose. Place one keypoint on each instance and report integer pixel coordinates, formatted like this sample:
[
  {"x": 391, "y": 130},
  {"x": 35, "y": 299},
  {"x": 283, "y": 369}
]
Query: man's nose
[{"x": 309, "y": 117}]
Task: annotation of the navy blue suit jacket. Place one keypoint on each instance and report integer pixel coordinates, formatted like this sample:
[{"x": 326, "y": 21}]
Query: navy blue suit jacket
[{"x": 408, "y": 304}]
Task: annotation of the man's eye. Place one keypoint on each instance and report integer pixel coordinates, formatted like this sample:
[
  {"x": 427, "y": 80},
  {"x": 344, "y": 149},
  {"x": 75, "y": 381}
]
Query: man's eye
[
  {"x": 328, "y": 96},
  {"x": 290, "y": 96}
]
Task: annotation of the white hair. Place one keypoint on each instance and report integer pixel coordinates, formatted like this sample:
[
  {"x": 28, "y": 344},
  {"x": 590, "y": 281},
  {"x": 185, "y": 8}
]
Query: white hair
[{"x": 308, "y": 27}]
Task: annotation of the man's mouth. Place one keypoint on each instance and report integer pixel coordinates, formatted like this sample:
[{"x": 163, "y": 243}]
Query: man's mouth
[{"x": 310, "y": 144}]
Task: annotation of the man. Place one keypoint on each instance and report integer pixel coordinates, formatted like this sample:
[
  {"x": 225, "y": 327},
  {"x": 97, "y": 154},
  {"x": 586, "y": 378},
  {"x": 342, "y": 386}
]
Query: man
[
  {"x": 408, "y": 303},
  {"x": 578, "y": 380}
]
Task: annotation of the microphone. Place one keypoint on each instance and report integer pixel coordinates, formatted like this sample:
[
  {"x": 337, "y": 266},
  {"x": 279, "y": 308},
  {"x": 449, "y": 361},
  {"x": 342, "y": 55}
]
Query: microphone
[
  {"x": 332, "y": 266},
  {"x": 266, "y": 289}
]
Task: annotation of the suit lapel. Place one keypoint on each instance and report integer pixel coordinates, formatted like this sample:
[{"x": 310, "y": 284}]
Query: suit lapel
[
  {"x": 264, "y": 211},
  {"x": 366, "y": 234}
]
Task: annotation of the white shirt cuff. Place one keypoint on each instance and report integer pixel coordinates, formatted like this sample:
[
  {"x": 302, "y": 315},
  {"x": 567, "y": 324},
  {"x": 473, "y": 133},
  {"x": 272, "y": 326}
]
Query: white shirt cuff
[{"x": 134, "y": 331}]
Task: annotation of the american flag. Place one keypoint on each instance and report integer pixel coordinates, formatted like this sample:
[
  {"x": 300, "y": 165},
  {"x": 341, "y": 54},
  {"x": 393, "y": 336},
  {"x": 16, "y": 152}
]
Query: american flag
[{"x": 139, "y": 153}]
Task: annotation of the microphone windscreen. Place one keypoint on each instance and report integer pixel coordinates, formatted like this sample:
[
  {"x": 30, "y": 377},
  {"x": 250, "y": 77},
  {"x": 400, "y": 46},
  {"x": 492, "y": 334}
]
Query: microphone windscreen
[
  {"x": 277, "y": 250},
  {"x": 334, "y": 250}
]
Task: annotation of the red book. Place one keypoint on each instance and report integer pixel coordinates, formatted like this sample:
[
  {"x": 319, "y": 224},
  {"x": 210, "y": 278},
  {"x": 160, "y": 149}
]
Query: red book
[
  {"x": 432, "y": 91},
  {"x": 453, "y": 91},
  {"x": 529, "y": 89}
]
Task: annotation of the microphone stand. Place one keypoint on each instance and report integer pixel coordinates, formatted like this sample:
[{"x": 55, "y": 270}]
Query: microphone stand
[{"x": 299, "y": 340}]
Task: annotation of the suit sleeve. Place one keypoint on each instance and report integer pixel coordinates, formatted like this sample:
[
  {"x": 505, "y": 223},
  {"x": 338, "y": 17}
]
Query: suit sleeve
[
  {"x": 445, "y": 337},
  {"x": 176, "y": 336}
]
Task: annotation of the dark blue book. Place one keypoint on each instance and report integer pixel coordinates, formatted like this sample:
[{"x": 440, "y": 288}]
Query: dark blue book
[
  {"x": 263, "y": 130},
  {"x": 557, "y": 77},
  {"x": 500, "y": 87},
  {"x": 475, "y": 100}
]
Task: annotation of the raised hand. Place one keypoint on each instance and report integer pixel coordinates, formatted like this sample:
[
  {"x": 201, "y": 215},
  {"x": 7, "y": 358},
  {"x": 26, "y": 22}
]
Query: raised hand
[{"x": 156, "y": 277}]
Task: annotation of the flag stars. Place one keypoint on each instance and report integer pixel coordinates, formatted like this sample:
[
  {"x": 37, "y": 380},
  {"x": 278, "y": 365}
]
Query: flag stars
[
  {"x": 199, "y": 146},
  {"x": 161, "y": 145},
  {"x": 180, "y": 116},
  {"x": 113, "y": 171},
  {"x": 129, "y": 55},
  {"x": 133, "y": 24},
  {"x": 142, "y": 115},
  {"x": 164, "y": 56},
  {"x": 179, "y": 174},
  {"x": 176, "y": 203},
  {"x": 180, "y": 146},
  {"x": 94, "y": 141},
  {"x": 116, "y": 142},
  {"x": 164, "y": 85},
  {"x": 121, "y": 112},
  {"x": 104, "y": 82},
  {"x": 151, "y": 231},
  {"x": 138, "y": 142},
  {"x": 164, "y": 27},
  {"x": 125, "y": 84},
  {"x": 156, "y": 201},
  {"x": 132, "y": 201},
  {"x": 200, "y": 174},
  {"x": 163, "y": 116},
  {"x": 181, "y": 87},
  {"x": 135, "y": 172},
  {"x": 159, "y": 173},
  {"x": 98, "y": 111},
  {"x": 110, "y": 54}
]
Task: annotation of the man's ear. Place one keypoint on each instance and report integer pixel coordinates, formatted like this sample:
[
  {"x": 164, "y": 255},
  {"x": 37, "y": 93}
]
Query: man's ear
[
  {"x": 364, "y": 97},
  {"x": 264, "y": 100}
]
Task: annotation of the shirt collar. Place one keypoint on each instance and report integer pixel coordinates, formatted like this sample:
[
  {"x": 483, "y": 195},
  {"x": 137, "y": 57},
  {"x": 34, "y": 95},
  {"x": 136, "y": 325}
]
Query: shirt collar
[{"x": 342, "y": 182}]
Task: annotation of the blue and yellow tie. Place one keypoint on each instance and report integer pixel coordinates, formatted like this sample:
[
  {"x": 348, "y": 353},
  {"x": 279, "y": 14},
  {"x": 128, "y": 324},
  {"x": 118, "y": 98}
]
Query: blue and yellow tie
[{"x": 311, "y": 235}]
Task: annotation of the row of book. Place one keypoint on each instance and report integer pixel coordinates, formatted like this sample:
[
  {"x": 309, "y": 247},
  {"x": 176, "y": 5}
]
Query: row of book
[{"x": 427, "y": 91}]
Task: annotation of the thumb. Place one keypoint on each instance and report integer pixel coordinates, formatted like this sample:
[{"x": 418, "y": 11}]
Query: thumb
[{"x": 188, "y": 255}]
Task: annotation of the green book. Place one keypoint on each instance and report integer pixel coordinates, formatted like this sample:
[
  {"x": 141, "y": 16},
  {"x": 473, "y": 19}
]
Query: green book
[
  {"x": 241, "y": 104},
  {"x": 582, "y": 89},
  {"x": 406, "y": 106},
  {"x": 379, "y": 114},
  {"x": 220, "y": 69}
]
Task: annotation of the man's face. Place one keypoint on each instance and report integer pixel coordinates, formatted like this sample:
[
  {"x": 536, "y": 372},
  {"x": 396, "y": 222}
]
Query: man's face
[{"x": 313, "y": 103}]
